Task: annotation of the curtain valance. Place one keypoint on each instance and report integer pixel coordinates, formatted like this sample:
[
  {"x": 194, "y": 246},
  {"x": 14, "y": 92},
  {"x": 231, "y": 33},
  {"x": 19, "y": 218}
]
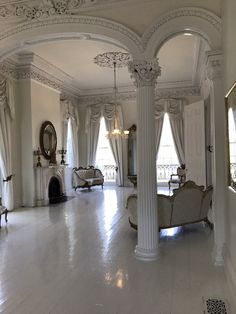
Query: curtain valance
[
  {"x": 108, "y": 111},
  {"x": 174, "y": 107},
  {"x": 69, "y": 110}
]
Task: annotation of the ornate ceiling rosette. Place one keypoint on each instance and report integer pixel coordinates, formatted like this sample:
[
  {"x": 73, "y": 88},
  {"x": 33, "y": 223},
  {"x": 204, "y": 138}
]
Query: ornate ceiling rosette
[{"x": 108, "y": 59}]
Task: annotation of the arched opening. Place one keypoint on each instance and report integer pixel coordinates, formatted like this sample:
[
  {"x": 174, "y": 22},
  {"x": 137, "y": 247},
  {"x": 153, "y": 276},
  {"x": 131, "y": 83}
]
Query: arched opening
[{"x": 182, "y": 58}]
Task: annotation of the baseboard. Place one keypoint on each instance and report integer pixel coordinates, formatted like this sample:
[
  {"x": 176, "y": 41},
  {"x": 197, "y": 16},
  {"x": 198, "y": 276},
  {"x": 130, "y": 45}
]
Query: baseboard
[{"x": 230, "y": 272}]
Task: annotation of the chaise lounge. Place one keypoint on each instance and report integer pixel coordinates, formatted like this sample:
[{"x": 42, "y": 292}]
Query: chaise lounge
[
  {"x": 87, "y": 177},
  {"x": 188, "y": 204}
]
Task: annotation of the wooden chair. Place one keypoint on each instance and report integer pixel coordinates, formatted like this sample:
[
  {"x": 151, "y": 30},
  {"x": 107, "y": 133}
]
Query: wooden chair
[
  {"x": 3, "y": 211},
  {"x": 178, "y": 178}
]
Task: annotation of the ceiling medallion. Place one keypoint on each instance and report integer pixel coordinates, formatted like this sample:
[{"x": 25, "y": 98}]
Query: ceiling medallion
[
  {"x": 108, "y": 59},
  {"x": 114, "y": 59}
]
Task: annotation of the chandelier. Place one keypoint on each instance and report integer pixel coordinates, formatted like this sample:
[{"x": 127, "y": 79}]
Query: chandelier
[{"x": 114, "y": 59}]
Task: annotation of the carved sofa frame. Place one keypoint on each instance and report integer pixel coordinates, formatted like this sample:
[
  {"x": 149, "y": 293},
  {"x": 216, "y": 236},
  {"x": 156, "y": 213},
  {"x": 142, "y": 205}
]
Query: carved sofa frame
[
  {"x": 87, "y": 177},
  {"x": 188, "y": 204}
]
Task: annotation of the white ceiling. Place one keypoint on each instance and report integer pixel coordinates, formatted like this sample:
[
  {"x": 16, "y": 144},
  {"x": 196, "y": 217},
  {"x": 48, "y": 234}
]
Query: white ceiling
[{"x": 178, "y": 59}]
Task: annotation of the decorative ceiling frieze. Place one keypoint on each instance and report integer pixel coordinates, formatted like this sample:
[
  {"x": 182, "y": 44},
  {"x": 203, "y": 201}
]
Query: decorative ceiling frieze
[
  {"x": 162, "y": 93},
  {"x": 22, "y": 68},
  {"x": 28, "y": 10},
  {"x": 30, "y": 71}
]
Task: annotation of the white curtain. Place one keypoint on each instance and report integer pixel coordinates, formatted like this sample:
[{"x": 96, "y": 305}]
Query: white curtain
[
  {"x": 92, "y": 126},
  {"x": 174, "y": 108},
  {"x": 6, "y": 115},
  {"x": 70, "y": 111},
  {"x": 109, "y": 113}
]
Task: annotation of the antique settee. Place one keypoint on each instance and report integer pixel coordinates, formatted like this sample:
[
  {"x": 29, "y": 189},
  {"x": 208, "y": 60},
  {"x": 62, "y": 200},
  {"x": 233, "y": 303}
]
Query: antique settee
[
  {"x": 188, "y": 204},
  {"x": 87, "y": 177}
]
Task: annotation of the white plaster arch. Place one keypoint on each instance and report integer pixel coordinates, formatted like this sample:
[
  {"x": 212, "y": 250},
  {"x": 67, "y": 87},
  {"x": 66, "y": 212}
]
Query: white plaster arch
[
  {"x": 198, "y": 21},
  {"x": 23, "y": 34}
]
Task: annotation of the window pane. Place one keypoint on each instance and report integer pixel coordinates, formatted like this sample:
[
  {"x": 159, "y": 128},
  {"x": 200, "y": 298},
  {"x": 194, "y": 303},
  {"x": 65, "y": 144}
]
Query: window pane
[
  {"x": 70, "y": 154},
  {"x": 167, "y": 160},
  {"x": 104, "y": 157}
]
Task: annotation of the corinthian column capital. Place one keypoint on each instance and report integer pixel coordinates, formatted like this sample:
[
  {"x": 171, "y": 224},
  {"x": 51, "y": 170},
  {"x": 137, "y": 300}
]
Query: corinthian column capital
[{"x": 144, "y": 72}]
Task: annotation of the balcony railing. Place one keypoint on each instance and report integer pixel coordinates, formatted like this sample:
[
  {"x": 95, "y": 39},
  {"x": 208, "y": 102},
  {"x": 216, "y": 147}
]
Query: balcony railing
[
  {"x": 109, "y": 172},
  {"x": 164, "y": 172}
]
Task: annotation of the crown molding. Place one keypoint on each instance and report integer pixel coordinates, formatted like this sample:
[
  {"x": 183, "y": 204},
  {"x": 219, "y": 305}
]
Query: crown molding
[
  {"x": 15, "y": 71},
  {"x": 29, "y": 66},
  {"x": 180, "y": 92}
]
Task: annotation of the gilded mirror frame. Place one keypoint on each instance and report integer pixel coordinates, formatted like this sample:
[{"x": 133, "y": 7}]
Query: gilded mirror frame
[
  {"x": 47, "y": 153},
  {"x": 230, "y": 103}
]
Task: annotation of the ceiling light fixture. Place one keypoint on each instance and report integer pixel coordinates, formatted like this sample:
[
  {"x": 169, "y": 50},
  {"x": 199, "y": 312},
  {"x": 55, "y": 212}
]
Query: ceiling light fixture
[{"x": 114, "y": 59}]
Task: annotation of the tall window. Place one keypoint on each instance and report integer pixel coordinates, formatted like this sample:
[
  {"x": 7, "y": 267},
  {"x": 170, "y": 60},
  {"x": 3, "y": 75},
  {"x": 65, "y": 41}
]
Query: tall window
[
  {"x": 70, "y": 152},
  {"x": 167, "y": 160},
  {"x": 232, "y": 142},
  {"x": 104, "y": 157}
]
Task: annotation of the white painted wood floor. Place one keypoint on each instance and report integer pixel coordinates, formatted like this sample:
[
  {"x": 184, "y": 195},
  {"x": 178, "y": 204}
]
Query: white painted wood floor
[{"x": 77, "y": 257}]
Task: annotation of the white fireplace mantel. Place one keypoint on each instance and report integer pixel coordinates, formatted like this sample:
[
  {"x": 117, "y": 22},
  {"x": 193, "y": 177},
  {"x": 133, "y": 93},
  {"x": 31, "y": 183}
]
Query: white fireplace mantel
[{"x": 43, "y": 176}]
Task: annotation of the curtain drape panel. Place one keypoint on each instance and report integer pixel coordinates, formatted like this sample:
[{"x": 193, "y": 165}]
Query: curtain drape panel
[
  {"x": 6, "y": 115},
  {"x": 92, "y": 126},
  {"x": 70, "y": 111}
]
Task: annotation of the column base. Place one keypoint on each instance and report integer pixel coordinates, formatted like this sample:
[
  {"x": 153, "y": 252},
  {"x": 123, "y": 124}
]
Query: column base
[{"x": 146, "y": 255}]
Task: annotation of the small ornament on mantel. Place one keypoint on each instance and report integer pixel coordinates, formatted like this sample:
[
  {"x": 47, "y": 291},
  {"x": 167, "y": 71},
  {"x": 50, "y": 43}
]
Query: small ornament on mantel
[
  {"x": 38, "y": 154},
  {"x": 62, "y": 152}
]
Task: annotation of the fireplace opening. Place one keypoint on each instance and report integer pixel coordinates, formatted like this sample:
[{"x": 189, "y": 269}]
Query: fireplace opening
[{"x": 54, "y": 191}]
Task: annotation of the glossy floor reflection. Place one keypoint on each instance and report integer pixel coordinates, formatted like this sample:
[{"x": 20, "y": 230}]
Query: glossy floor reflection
[{"x": 77, "y": 257}]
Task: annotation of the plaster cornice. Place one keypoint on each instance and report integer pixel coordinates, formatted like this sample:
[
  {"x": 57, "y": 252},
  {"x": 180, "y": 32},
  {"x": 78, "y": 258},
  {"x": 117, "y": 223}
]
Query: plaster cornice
[
  {"x": 25, "y": 69},
  {"x": 181, "y": 92},
  {"x": 31, "y": 71}
]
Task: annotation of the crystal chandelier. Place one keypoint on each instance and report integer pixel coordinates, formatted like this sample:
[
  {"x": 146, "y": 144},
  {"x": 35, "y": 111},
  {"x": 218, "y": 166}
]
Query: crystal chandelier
[{"x": 114, "y": 60}]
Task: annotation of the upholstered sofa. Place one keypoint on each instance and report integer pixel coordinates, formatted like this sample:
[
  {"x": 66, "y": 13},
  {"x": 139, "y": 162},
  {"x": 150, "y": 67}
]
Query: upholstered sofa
[
  {"x": 188, "y": 204},
  {"x": 87, "y": 177}
]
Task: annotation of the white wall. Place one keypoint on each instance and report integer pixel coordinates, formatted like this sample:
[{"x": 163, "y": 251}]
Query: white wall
[
  {"x": 45, "y": 106},
  {"x": 26, "y": 143},
  {"x": 37, "y": 103},
  {"x": 229, "y": 45}
]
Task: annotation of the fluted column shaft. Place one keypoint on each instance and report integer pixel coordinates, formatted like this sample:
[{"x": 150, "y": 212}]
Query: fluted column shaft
[
  {"x": 218, "y": 117},
  {"x": 145, "y": 74}
]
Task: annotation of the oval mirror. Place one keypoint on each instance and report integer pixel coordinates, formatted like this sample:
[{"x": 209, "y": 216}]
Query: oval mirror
[{"x": 48, "y": 140}]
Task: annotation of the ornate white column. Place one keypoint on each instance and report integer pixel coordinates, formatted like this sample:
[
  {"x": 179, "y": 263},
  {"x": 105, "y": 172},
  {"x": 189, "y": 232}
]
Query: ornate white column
[
  {"x": 145, "y": 73},
  {"x": 218, "y": 125}
]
